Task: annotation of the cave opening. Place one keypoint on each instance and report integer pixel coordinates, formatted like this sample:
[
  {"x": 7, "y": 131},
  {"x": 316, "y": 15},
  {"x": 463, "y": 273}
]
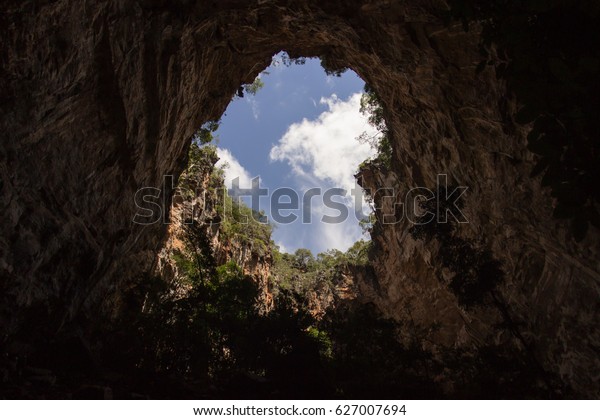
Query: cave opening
[
  {"x": 264, "y": 321},
  {"x": 301, "y": 132},
  {"x": 288, "y": 315}
]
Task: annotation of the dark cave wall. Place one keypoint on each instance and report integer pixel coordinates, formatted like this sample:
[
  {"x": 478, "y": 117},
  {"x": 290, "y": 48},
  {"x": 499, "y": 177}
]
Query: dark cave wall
[{"x": 101, "y": 98}]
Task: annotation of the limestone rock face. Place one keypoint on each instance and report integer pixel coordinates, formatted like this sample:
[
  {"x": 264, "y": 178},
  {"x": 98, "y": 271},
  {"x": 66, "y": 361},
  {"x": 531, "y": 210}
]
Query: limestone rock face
[
  {"x": 100, "y": 98},
  {"x": 254, "y": 263}
]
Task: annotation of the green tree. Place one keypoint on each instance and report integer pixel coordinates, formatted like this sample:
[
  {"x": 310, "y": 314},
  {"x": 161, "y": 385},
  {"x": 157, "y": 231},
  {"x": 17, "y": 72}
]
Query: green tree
[
  {"x": 304, "y": 259},
  {"x": 205, "y": 135},
  {"x": 254, "y": 87},
  {"x": 370, "y": 106}
]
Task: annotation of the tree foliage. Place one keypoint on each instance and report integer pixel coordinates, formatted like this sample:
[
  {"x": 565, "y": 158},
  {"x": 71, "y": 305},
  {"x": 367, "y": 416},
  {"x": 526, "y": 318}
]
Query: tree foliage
[
  {"x": 207, "y": 329},
  {"x": 330, "y": 68},
  {"x": 204, "y": 135},
  {"x": 370, "y": 106},
  {"x": 254, "y": 87}
]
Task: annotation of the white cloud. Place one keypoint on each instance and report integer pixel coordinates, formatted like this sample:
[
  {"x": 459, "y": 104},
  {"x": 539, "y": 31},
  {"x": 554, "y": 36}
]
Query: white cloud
[
  {"x": 233, "y": 169},
  {"x": 339, "y": 236},
  {"x": 326, "y": 149},
  {"x": 325, "y": 153},
  {"x": 282, "y": 248},
  {"x": 334, "y": 235}
]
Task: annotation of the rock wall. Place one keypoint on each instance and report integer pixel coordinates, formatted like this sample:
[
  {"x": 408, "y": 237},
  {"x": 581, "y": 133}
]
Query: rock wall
[
  {"x": 445, "y": 120},
  {"x": 196, "y": 200},
  {"x": 254, "y": 263},
  {"x": 100, "y": 98}
]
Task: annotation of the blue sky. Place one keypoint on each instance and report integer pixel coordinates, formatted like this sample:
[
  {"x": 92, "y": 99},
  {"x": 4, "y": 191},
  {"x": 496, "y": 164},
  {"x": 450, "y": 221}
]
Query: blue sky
[{"x": 299, "y": 131}]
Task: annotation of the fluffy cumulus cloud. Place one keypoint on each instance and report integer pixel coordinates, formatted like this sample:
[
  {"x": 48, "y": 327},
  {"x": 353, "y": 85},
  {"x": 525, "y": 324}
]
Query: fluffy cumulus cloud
[
  {"x": 333, "y": 235},
  {"x": 233, "y": 169},
  {"x": 325, "y": 153},
  {"x": 339, "y": 236},
  {"x": 326, "y": 149}
]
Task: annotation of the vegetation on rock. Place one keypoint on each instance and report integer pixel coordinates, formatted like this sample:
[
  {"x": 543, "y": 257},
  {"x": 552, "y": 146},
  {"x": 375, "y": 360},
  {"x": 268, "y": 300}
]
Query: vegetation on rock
[
  {"x": 371, "y": 107},
  {"x": 208, "y": 328}
]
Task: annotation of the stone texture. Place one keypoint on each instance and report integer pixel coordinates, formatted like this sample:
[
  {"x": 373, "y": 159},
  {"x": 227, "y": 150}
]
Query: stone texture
[
  {"x": 199, "y": 205},
  {"x": 100, "y": 98}
]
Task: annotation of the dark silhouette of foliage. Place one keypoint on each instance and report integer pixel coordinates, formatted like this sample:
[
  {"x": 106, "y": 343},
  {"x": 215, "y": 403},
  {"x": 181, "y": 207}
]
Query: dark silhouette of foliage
[
  {"x": 207, "y": 330},
  {"x": 369, "y": 361},
  {"x": 330, "y": 68},
  {"x": 288, "y": 61}
]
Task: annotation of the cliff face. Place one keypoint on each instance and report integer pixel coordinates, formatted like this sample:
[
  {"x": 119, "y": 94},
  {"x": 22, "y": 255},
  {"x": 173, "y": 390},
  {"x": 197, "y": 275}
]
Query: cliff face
[
  {"x": 320, "y": 291},
  {"x": 199, "y": 204},
  {"x": 101, "y": 98},
  {"x": 253, "y": 263}
]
